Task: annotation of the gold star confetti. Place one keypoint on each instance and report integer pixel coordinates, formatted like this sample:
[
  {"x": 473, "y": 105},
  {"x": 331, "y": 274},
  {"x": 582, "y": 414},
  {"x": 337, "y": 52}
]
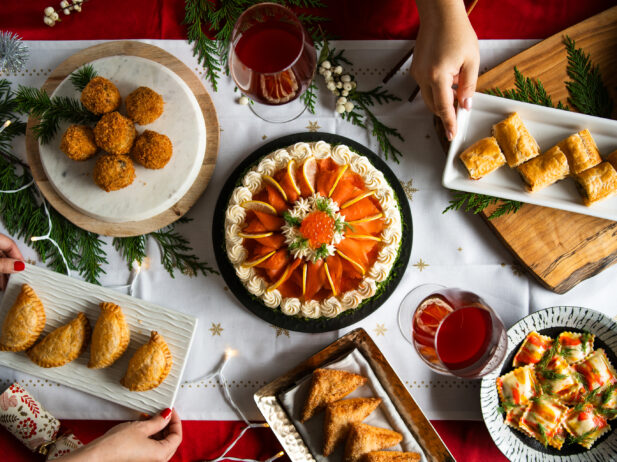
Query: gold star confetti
[
  {"x": 264, "y": 137},
  {"x": 280, "y": 331},
  {"x": 380, "y": 330},
  {"x": 421, "y": 264},
  {"x": 312, "y": 126},
  {"x": 30, "y": 261},
  {"x": 216, "y": 329},
  {"x": 409, "y": 189},
  {"x": 460, "y": 249}
]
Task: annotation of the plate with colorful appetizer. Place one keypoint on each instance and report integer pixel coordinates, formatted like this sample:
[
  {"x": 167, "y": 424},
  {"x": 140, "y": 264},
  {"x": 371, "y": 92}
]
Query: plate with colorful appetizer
[
  {"x": 555, "y": 398},
  {"x": 317, "y": 232}
]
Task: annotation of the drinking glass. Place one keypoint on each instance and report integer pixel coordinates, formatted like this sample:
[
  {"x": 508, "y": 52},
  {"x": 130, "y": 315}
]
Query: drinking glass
[
  {"x": 272, "y": 60},
  {"x": 453, "y": 331}
]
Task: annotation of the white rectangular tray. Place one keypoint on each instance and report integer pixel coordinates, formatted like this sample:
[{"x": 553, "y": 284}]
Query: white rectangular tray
[
  {"x": 548, "y": 126},
  {"x": 63, "y": 297}
]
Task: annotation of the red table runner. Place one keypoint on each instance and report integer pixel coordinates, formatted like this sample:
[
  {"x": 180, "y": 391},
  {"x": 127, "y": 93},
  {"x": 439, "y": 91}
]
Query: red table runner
[{"x": 350, "y": 19}]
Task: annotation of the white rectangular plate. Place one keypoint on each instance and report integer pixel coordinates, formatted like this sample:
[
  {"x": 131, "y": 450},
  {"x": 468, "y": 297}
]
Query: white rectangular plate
[
  {"x": 63, "y": 297},
  {"x": 548, "y": 126}
]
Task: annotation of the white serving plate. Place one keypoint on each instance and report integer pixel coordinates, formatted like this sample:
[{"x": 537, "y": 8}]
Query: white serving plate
[
  {"x": 153, "y": 191},
  {"x": 63, "y": 297},
  {"x": 548, "y": 126}
]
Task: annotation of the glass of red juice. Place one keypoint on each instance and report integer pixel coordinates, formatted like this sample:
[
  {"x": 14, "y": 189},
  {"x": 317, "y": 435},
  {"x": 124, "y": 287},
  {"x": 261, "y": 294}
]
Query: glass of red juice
[
  {"x": 454, "y": 331},
  {"x": 272, "y": 60}
]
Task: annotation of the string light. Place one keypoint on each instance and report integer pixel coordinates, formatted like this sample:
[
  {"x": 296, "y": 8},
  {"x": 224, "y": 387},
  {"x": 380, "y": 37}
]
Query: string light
[
  {"x": 4, "y": 125},
  {"x": 218, "y": 372}
]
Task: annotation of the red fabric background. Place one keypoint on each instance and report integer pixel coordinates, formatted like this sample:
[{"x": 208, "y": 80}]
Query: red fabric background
[{"x": 350, "y": 19}]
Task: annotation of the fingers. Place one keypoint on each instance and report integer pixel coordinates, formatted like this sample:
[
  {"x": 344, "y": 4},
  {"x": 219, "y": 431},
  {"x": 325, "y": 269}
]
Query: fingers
[
  {"x": 155, "y": 424},
  {"x": 174, "y": 437},
  {"x": 9, "y": 248},
  {"x": 10, "y": 265},
  {"x": 443, "y": 98},
  {"x": 467, "y": 79}
]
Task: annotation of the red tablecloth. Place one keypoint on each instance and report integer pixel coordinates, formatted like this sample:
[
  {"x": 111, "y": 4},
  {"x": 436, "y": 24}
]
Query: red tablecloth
[{"x": 351, "y": 19}]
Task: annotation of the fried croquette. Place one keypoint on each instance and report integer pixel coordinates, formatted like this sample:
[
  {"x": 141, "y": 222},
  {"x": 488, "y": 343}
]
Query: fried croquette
[
  {"x": 115, "y": 133},
  {"x": 152, "y": 149},
  {"x": 113, "y": 172},
  {"x": 144, "y": 105},
  {"x": 78, "y": 142},
  {"x": 100, "y": 96}
]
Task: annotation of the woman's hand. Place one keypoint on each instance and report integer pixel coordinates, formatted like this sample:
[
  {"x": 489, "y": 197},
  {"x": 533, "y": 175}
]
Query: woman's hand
[
  {"x": 446, "y": 54},
  {"x": 11, "y": 259},
  {"x": 134, "y": 442}
]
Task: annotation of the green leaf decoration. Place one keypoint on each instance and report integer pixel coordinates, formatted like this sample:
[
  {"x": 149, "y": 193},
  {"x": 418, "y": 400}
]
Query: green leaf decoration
[{"x": 82, "y": 76}]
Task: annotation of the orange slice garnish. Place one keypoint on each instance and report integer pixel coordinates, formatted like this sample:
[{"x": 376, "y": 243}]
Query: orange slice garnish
[
  {"x": 291, "y": 173},
  {"x": 279, "y": 88},
  {"x": 366, "y": 219},
  {"x": 258, "y": 260},
  {"x": 352, "y": 261},
  {"x": 430, "y": 313},
  {"x": 255, "y": 235},
  {"x": 340, "y": 174},
  {"x": 282, "y": 279},
  {"x": 276, "y": 185},
  {"x": 309, "y": 173},
  {"x": 325, "y": 265},
  {"x": 304, "y": 273},
  {"x": 259, "y": 206},
  {"x": 351, "y": 202},
  {"x": 364, "y": 237}
]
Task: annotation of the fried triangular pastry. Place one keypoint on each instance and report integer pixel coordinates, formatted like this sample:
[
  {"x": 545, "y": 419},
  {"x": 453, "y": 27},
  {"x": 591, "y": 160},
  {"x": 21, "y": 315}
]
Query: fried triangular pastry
[
  {"x": 327, "y": 386},
  {"x": 110, "y": 337},
  {"x": 340, "y": 415},
  {"x": 392, "y": 456},
  {"x": 63, "y": 344},
  {"x": 365, "y": 438},
  {"x": 23, "y": 323},
  {"x": 149, "y": 366}
]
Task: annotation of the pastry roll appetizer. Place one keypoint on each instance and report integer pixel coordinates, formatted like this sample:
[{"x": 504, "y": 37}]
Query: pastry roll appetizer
[
  {"x": 612, "y": 159},
  {"x": 515, "y": 140},
  {"x": 482, "y": 157},
  {"x": 532, "y": 349},
  {"x": 545, "y": 169},
  {"x": 581, "y": 151},
  {"x": 542, "y": 420},
  {"x": 24, "y": 321},
  {"x": 586, "y": 425},
  {"x": 597, "y": 183},
  {"x": 575, "y": 346},
  {"x": 596, "y": 370}
]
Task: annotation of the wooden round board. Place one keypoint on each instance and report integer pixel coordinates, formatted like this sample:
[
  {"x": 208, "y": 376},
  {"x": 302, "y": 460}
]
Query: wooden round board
[{"x": 129, "y": 228}]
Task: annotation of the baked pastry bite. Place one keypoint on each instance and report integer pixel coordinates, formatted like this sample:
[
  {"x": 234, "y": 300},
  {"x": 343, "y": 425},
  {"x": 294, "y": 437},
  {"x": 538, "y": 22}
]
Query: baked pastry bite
[
  {"x": 100, "y": 96},
  {"x": 63, "y": 344},
  {"x": 597, "y": 183},
  {"x": 149, "y": 366},
  {"x": 23, "y": 322},
  {"x": 392, "y": 456},
  {"x": 581, "y": 151},
  {"x": 482, "y": 157},
  {"x": 515, "y": 140},
  {"x": 545, "y": 169},
  {"x": 612, "y": 159},
  {"x": 365, "y": 438},
  {"x": 327, "y": 386},
  {"x": 110, "y": 337},
  {"x": 340, "y": 415}
]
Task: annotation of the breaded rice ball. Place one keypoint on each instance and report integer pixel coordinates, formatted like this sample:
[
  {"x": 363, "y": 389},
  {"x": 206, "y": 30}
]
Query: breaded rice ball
[
  {"x": 115, "y": 133},
  {"x": 144, "y": 105},
  {"x": 78, "y": 142},
  {"x": 152, "y": 149},
  {"x": 113, "y": 172},
  {"x": 100, "y": 96}
]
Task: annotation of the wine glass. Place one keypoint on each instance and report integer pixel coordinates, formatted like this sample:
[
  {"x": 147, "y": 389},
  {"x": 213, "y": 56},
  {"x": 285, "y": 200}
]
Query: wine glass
[
  {"x": 453, "y": 331},
  {"x": 272, "y": 60}
]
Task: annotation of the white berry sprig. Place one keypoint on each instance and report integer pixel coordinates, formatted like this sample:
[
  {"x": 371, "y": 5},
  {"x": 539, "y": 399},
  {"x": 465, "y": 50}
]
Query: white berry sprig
[
  {"x": 339, "y": 84},
  {"x": 52, "y": 17}
]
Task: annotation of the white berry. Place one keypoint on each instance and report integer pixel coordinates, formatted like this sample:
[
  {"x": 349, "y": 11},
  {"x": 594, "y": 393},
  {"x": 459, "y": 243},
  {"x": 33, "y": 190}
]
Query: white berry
[
  {"x": 347, "y": 86},
  {"x": 338, "y": 70},
  {"x": 353, "y": 84},
  {"x": 50, "y": 22},
  {"x": 48, "y": 11},
  {"x": 339, "y": 84},
  {"x": 341, "y": 100},
  {"x": 66, "y": 11},
  {"x": 243, "y": 100},
  {"x": 77, "y": 8},
  {"x": 344, "y": 93},
  {"x": 64, "y": 4},
  {"x": 349, "y": 106},
  {"x": 326, "y": 65},
  {"x": 54, "y": 16},
  {"x": 327, "y": 74},
  {"x": 331, "y": 86},
  {"x": 340, "y": 108},
  {"x": 345, "y": 78}
]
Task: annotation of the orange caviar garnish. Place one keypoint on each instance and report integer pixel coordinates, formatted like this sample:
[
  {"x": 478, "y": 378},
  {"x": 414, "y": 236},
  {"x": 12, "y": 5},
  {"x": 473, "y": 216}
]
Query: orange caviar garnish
[{"x": 318, "y": 228}]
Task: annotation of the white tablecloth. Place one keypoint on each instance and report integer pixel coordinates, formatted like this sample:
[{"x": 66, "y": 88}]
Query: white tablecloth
[{"x": 453, "y": 249}]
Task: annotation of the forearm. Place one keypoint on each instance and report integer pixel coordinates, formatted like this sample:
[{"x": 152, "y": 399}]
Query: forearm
[{"x": 440, "y": 11}]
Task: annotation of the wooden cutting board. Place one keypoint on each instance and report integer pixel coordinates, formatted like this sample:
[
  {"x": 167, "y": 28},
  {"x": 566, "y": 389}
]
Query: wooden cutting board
[{"x": 560, "y": 248}]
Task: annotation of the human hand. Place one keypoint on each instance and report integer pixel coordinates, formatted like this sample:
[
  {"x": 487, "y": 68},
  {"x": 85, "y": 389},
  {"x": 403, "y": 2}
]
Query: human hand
[
  {"x": 11, "y": 259},
  {"x": 446, "y": 54},
  {"x": 134, "y": 441}
]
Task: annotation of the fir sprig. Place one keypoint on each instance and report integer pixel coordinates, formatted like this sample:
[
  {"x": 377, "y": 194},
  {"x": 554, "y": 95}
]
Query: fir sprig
[
  {"x": 309, "y": 97},
  {"x": 476, "y": 203},
  {"x": 584, "y": 438},
  {"x": 131, "y": 248},
  {"x": 528, "y": 91},
  {"x": 50, "y": 111},
  {"x": 82, "y": 76},
  {"x": 506, "y": 406}
]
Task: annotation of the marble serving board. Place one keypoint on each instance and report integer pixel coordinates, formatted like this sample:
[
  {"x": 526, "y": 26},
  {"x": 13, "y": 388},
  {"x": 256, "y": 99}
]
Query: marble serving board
[
  {"x": 153, "y": 191},
  {"x": 63, "y": 297}
]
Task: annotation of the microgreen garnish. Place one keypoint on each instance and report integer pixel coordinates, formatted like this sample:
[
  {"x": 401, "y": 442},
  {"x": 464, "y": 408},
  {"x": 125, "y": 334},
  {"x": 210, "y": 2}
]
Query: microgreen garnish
[
  {"x": 543, "y": 435},
  {"x": 547, "y": 356},
  {"x": 586, "y": 337},
  {"x": 322, "y": 252},
  {"x": 290, "y": 220},
  {"x": 300, "y": 243},
  {"x": 341, "y": 225},
  {"x": 551, "y": 375},
  {"x": 584, "y": 438},
  {"x": 506, "y": 406},
  {"x": 606, "y": 396},
  {"x": 322, "y": 204}
]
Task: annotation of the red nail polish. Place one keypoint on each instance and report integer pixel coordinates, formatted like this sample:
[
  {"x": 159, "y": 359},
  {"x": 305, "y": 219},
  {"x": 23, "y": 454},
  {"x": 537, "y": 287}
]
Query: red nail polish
[
  {"x": 166, "y": 413},
  {"x": 19, "y": 266}
]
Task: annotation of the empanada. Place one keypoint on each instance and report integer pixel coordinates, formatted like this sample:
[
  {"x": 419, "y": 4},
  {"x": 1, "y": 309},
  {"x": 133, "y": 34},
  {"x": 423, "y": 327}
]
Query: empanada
[
  {"x": 149, "y": 365},
  {"x": 515, "y": 140},
  {"x": 482, "y": 157},
  {"x": 23, "y": 323},
  {"x": 327, "y": 386},
  {"x": 581, "y": 151},
  {"x": 62, "y": 345},
  {"x": 365, "y": 438},
  {"x": 340, "y": 415},
  {"x": 110, "y": 337}
]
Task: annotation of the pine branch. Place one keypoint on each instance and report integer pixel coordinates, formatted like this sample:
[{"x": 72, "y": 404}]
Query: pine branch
[
  {"x": 588, "y": 94},
  {"x": 309, "y": 97},
  {"x": 476, "y": 203},
  {"x": 82, "y": 76},
  {"x": 205, "y": 49},
  {"x": 377, "y": 95},
  {"x": 528, "y": 91},
  {"x": 131, "y": 248}
]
